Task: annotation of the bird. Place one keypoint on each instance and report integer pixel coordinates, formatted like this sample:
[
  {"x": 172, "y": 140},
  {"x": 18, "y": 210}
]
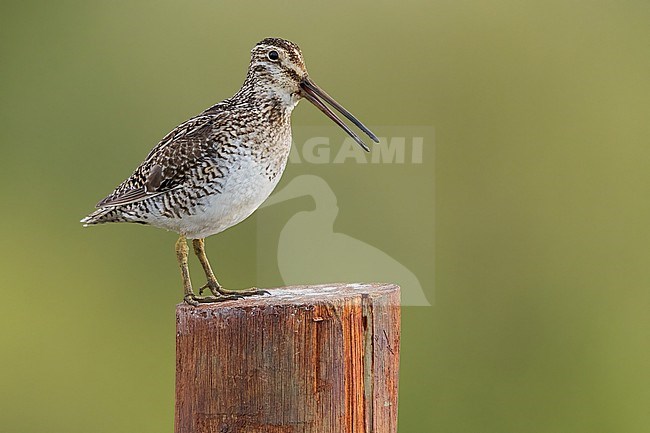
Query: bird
[{"x": 214, "y": 170}]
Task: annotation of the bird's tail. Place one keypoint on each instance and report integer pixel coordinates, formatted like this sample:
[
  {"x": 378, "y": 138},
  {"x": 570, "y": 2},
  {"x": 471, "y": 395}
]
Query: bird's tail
[{"x": 104, "y": 215}]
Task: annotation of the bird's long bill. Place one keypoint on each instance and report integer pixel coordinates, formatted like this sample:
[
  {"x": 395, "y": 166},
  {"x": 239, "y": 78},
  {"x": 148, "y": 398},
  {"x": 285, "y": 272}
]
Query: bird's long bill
[{"x": 316, "y": 96}]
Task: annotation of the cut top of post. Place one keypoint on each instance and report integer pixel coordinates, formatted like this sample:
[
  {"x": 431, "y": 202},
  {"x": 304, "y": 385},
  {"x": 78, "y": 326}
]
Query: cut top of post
[{"x": 301, "y": 295}]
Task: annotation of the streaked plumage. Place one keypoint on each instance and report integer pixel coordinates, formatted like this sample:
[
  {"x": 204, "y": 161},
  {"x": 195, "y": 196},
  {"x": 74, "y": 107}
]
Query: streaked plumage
[{"x": 212, "y": 171}]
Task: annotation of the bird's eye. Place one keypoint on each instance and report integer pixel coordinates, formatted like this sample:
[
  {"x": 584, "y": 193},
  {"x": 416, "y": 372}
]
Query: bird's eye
[{"x": 273, "y": 55}]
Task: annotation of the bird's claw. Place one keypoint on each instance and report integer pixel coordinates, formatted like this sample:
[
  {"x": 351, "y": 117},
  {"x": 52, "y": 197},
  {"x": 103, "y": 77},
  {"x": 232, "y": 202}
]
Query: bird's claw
[
  {"x": 202, "y": 288},
  {"x": 214, "y": 288},
  {"x": 195, "y": 300},
  {"x": 253, "y": 291},
  {"x": 217, "y": 291}
]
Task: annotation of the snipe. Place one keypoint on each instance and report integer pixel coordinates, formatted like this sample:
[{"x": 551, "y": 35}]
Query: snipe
[{"x": 214, "y": 170}]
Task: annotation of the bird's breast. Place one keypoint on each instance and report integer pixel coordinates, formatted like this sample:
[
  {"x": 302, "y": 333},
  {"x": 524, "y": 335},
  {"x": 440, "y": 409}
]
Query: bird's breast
[{"x": 249, "y": 178}]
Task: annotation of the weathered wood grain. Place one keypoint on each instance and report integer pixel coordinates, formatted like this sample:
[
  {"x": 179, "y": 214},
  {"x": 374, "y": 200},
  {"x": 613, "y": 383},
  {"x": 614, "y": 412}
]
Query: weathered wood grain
[{"x": 308, "y": 359}]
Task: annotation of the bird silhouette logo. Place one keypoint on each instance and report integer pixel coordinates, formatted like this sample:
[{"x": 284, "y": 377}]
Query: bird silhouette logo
[{"x": 354, "y": 260}]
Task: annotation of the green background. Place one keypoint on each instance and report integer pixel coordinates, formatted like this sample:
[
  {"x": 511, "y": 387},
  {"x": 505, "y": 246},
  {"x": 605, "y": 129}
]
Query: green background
[{"x": 536, "y": 190}]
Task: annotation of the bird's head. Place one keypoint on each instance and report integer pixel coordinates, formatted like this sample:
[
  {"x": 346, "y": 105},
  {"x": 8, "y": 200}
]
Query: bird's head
[{"x": 277, "y": 68}]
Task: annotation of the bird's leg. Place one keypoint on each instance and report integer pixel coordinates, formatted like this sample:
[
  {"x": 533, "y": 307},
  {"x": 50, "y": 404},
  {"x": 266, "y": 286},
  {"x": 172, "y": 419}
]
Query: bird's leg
[
  {"x": 181, "y": 256},
  {"x": 199, "y": 250},
  {"x": 189, "y": 296},
  {"x": 213, "y": 285}
]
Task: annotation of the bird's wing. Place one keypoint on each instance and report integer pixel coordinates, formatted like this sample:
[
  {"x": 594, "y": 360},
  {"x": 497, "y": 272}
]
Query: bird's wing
[{"x": 168, "y": 164}]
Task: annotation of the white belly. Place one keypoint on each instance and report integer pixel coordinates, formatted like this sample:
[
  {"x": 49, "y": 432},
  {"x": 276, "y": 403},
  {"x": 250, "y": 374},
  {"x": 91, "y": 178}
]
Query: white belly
[{"x": 243, "y": 192}]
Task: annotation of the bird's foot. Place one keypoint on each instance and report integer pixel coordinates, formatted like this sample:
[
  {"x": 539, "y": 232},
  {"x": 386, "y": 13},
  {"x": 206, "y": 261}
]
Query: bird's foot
[
  {"x": 217, "y": 291},
  {"x": 253, "y": 291},
  {"x": 196, "y": 300}
]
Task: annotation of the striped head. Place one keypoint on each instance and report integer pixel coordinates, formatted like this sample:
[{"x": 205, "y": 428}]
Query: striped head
[
  {"x": 277, "y": 69},
  {"x": 277, "y": 66}
]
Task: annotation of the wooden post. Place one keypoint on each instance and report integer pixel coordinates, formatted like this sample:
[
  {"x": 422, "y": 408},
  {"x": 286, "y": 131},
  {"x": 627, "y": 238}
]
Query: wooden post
[{"x": 317, "y": 359}]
